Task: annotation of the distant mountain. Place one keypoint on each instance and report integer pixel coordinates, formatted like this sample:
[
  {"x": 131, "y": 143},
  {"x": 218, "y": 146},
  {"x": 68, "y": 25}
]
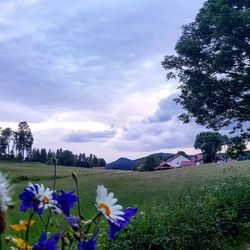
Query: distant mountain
[
  {"x": 122, "y": 164},
  {"x": 127, "y": 164}
]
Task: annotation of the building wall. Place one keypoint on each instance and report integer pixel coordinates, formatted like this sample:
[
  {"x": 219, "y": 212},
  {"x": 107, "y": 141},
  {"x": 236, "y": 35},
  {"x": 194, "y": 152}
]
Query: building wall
[{"x": 177, "y": 161}]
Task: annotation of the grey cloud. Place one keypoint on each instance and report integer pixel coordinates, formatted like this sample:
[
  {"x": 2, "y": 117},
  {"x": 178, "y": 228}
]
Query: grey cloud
[
  {"x": 162, "y": 130},
  {"x": 77, "y": 55},
  {"x": 90, "y": 136},
  {"x": 167, "y": 109},
  {"x": 157, "y": 136},
  {"x": 88, "y": 56}
]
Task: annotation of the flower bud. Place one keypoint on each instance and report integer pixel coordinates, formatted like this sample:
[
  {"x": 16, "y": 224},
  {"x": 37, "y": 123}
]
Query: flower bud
[
  {"x": 7, "y": 239},
  {"x": 74, "y": 176},
  {"x": 54, "y": 160}
]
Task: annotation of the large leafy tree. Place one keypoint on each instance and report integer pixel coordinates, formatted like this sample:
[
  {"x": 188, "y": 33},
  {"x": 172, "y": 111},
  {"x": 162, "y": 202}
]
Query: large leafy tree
[
  {"x": 5, "y": 139},
  {"x": 67, "y": 158},
  {"x": 24, "y": 139},
  {"x": 7, "y": 136},
  {"x": 209, "y": 143},
  {"x": 236, "y": 147},
  {"x": 213, "y": 66}
]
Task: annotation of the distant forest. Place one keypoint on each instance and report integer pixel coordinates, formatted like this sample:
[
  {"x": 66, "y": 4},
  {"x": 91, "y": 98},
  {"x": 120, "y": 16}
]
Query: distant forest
[{"x": 17, "y": 146}]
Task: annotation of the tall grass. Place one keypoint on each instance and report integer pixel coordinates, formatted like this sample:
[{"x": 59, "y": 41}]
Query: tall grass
[
  {"x": 211, "y": 217},
  {"x": 193, "y": 208}
]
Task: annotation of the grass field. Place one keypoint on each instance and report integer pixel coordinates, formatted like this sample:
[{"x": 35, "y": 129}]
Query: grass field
[{"x": 137, "y": 189}]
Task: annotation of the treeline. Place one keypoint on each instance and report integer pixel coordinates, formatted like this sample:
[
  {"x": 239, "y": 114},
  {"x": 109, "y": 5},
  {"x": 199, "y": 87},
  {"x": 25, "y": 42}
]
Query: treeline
[
  {"x": 17, "y": 145},
  {"x": 67, "y": 158}
]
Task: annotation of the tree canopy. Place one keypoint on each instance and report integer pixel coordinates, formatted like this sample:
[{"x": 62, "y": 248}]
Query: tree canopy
[
  {"x": 213, "y": 66},
  {"x": 236, "y": 147},
  {"x": 209, "y": 143},
  {"x": 24, "y": 139}
]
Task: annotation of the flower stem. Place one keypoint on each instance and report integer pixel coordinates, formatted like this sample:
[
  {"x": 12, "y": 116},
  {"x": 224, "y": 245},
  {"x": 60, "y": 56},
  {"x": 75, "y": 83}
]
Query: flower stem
[
  {"x": 97, "y": 216},
  {"x": 77, "y": 193},
  {"x": 42, "y": 220},
  {"x": 1, "y": 242},
  {"x": 54, "y": 163},
  {"x": 48, "y": 221},
  {"x": 28, "y": 229}
]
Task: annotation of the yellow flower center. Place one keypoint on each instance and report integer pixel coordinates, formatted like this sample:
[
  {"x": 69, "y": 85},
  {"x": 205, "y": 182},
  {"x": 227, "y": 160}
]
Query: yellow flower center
[
  {"x": 105, "y": 207},
  {"x": 45, "y": 200}
]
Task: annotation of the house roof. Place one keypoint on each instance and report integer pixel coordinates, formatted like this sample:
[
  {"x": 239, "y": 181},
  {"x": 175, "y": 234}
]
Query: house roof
[
  {"x": 174, "y": 157},
  {"x": 163, "y": 165}
]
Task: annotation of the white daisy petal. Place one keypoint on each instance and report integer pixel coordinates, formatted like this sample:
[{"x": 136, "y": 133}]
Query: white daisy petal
[
  {"x": 117, "y": 212},
  {"x": 106, "y": 204},
  {"x": 45, "y": 196},
  {"x": 5, "y": 189},
  {"x": 117, "y": 207}
]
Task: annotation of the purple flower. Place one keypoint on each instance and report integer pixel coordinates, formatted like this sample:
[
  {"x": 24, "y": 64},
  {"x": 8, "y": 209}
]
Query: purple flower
[
  {"x": 66, "y": 201},
  {"x": 50, "y": 244},
  {"x": 28, "y": 201},
  {"x": 116, "y": 226},
  {"x": 87, "y": 244},
  {"x": 73, "y": 222}
]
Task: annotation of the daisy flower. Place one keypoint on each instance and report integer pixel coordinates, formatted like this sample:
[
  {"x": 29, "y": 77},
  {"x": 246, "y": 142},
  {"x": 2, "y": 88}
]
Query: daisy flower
[
  {"x": 5, "y": 188},
  {"x": 38, "y": 197},
  {"x": 116, "y": 216},
  {"x": 5, "y": 200}
]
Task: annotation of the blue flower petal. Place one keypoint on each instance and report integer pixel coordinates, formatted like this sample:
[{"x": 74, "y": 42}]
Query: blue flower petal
[
  {"x": 87, "y": 245},
  {"x": 120, "y": 224},
  {"x": 28, "y": 200},
  {"x": 66, "y": 201},
  {"x": 73, "y": 222},
  {"x": 50, "y": 244}
]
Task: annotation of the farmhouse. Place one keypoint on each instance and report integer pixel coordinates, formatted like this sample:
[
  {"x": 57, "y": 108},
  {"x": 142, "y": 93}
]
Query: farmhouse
[{"x": 175, "y": 162}]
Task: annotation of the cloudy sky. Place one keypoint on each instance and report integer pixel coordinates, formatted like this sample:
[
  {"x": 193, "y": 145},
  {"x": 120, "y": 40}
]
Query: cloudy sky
[{"x": 87, "y": 75}]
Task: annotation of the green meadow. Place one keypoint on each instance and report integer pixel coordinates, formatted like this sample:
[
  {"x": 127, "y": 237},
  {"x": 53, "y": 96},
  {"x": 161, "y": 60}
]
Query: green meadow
[{"x": 149, "y": 191}]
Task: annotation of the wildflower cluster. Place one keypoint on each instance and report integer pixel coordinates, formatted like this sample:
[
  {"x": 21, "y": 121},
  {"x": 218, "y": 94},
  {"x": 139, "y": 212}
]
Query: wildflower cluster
[{"x": 53, "y": 208}]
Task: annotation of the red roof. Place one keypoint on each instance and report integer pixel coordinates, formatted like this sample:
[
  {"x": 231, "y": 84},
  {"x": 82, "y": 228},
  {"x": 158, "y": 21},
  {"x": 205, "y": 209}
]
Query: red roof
[
  {"x": 163, "y": 166},
  {"x": 187, "y": 163}
]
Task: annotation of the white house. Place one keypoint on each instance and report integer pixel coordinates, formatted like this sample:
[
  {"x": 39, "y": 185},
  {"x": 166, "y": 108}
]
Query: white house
[{"x": 177, "y": 160}]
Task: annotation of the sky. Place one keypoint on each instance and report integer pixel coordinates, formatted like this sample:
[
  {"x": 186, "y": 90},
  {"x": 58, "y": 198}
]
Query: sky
[{"x": 87, "y": 75}]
